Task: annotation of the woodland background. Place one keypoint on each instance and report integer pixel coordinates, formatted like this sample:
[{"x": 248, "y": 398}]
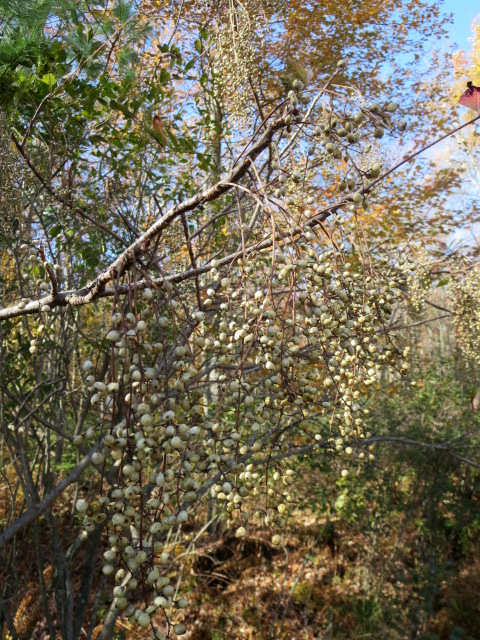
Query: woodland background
[{"x": 110, "y": 113}]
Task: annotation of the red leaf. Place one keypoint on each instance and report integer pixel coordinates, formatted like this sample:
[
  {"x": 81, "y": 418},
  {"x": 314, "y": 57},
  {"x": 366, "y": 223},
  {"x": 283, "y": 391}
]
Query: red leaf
[
  {"x": 158, "y": 124},
  {"x": 471, "y": 97}
]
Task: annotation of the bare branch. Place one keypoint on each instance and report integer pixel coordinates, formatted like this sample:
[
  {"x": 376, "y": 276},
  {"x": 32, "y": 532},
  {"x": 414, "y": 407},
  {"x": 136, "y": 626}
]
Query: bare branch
[{"x": 48, "y": 187}]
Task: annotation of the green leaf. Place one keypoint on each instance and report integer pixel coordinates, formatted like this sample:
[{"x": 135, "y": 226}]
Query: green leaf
[
  {"x": 340, "y": 501},
  {"x": 74, "y": 15},
  {"x": 198, "y": 46},
  {"x": 172, "y": 136},
  {"x": 48, "y": 218},
  {"x": 49, "y": 79},
  {"x": 164, "y": 76},
  {"x": 118, "y": 106},
  {"x": 159, "y": 137},
  {"x": 204, "y": 33},
  {"x": 123, "y": 10}
]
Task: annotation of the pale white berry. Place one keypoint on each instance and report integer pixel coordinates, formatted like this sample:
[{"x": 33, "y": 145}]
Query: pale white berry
[
  {"x": 179, "y": 629},
  {"x": 81, "y": 505}
]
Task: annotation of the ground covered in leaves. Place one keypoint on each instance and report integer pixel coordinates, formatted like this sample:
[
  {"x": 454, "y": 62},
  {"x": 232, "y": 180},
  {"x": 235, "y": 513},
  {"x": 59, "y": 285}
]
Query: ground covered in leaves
[{"x": 326, "y": 582}]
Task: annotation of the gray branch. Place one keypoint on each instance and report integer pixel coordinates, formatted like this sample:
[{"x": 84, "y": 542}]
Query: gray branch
[{"x": 42, "y": 506}]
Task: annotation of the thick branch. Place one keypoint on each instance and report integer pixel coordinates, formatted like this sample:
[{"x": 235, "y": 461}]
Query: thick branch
[
  {"x": 119, "y": 266},
  {"x": 65, "y": 298},
  {"x": 97, "y": 288}
]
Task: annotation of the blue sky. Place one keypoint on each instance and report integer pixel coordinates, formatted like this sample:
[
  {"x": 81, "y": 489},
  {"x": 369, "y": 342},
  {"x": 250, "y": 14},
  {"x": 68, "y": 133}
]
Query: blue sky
[{"x": 464, "y": 11}]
